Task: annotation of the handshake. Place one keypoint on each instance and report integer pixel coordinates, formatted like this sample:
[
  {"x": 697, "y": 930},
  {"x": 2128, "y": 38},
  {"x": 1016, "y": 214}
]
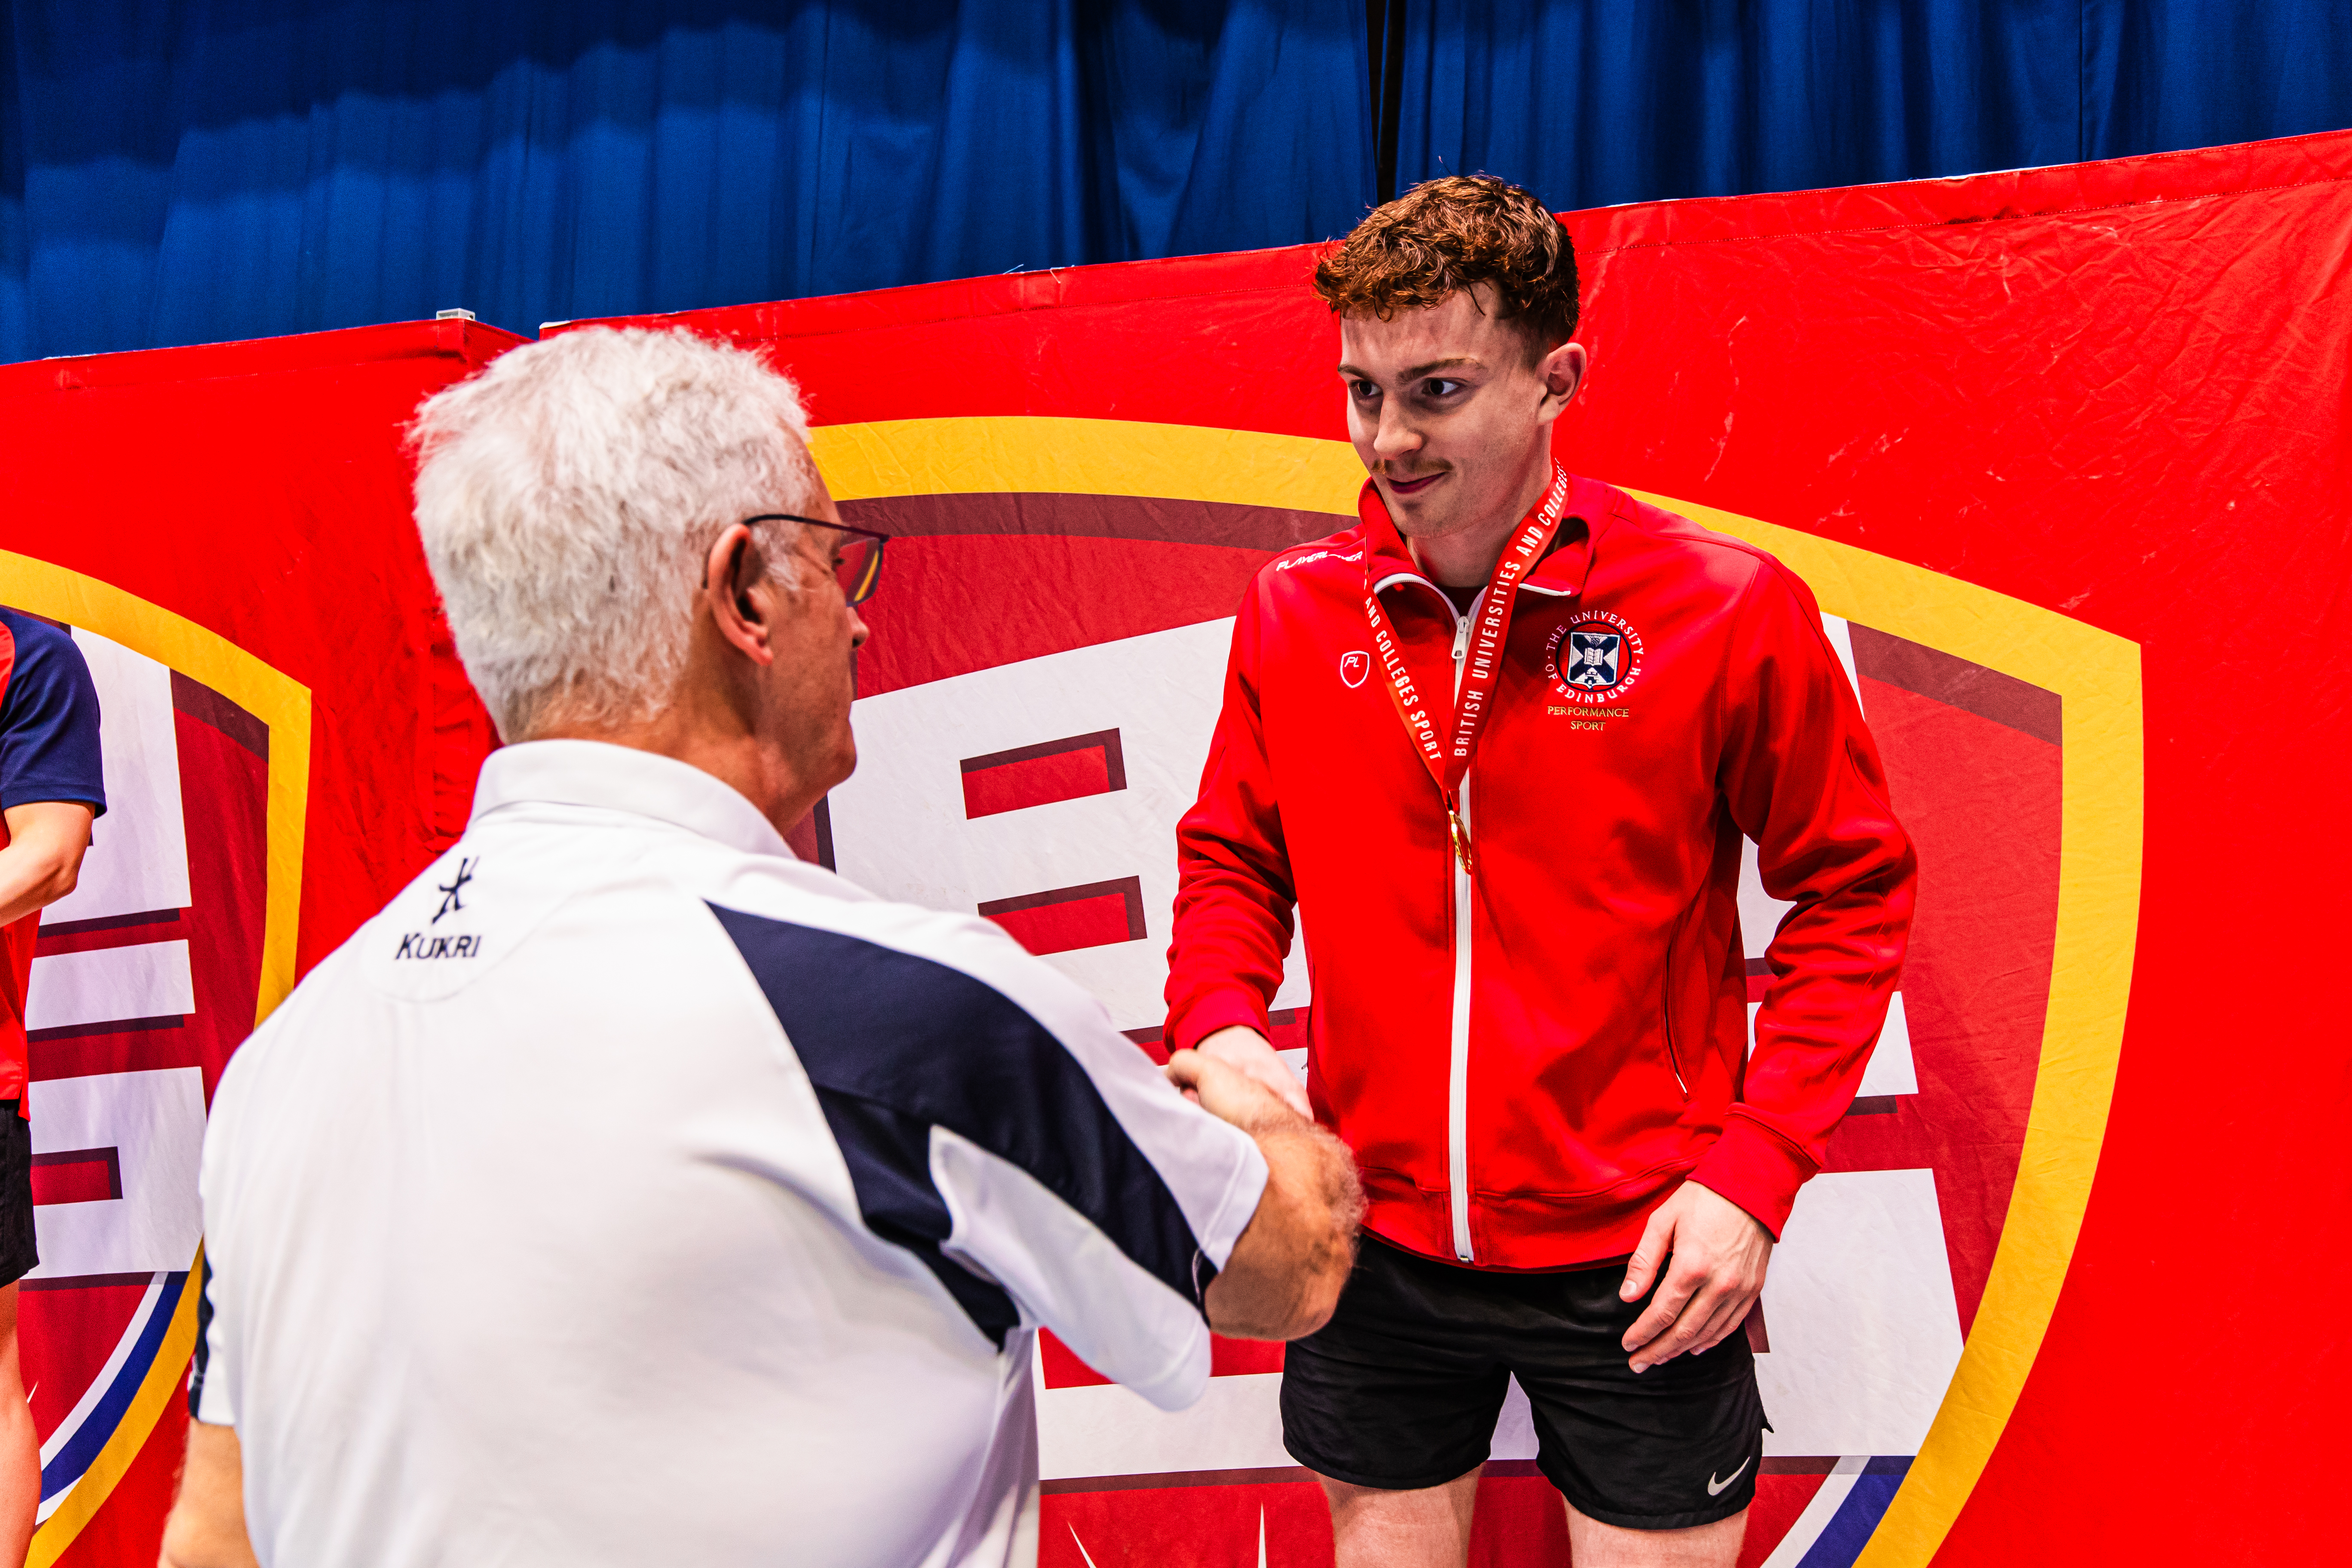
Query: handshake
[{"x": 1285, "y": 1273}]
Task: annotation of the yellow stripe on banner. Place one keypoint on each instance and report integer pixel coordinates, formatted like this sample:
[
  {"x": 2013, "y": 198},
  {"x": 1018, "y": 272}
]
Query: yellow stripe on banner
[
  {"x": 157, "y": 1389},
  {"x": 2097, "y": 677},
  {"x": 281, "y": 703},
  {"x": 1038, "y": 456}
]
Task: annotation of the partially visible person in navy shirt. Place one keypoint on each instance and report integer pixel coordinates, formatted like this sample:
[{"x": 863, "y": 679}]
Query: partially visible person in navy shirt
[{"x": 51, "y": 790}]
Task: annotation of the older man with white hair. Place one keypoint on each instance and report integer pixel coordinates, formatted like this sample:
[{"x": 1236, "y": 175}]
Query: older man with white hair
[{"x": 628, "y": 1191}]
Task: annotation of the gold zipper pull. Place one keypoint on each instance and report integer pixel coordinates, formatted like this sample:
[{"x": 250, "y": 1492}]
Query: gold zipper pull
[{"x": 1461, "y": 837}]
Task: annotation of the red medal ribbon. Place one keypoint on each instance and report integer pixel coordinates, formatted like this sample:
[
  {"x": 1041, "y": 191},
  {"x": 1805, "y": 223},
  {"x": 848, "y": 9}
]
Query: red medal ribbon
[{"x": 1448, "y": 760}]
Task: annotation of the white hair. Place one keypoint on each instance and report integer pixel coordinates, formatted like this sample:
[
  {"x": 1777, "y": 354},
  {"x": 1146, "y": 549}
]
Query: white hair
[{"x": 568, "y": 496}]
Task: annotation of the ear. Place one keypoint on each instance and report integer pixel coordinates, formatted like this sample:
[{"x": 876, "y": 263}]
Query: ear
[
  {"x": 740, "y": 594},
  {"x": 1562, "y": 372}
]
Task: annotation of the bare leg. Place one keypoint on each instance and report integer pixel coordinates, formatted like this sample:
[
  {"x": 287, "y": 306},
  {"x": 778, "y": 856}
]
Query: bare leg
[
  {"x": 1426, "y": 1529},
  {"x": 1597, "y": 1545},
  {"x": 20, "y": 1444}
]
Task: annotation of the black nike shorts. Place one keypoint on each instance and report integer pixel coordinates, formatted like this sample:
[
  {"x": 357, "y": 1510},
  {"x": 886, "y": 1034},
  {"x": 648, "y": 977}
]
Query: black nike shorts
[
  {"x": 18, "y": 1255},
  {"x": 1400, "y": 1391}
]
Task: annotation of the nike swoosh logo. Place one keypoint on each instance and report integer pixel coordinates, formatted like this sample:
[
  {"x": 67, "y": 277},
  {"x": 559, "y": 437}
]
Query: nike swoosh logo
[{"x": 1714, "y": 1488}]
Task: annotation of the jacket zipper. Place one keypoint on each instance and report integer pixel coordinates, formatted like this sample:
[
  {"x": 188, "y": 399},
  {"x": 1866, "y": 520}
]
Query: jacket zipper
[
  {"x": 1457, "y": 1066},
  {"x": 1457, "y": 1075}
]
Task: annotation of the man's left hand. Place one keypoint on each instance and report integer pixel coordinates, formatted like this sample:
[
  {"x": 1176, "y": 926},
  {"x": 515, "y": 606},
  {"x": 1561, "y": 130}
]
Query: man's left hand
[{"x": 1715, "y": 1254}]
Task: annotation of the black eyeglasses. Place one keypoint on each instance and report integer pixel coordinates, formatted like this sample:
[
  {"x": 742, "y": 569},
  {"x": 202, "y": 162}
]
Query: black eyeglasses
[{"x": 858, "y": 563}]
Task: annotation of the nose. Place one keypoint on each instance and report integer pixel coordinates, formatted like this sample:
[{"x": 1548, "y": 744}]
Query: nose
[
  {"x": 858, "y": 630},
  {"x": 1395, "y": 436}
]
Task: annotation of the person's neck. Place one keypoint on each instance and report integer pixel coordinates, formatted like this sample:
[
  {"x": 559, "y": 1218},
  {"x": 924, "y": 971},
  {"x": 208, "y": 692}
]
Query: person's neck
[
  {"x": 1465, "y": 557},
  {"x": 726, "y": 750}
]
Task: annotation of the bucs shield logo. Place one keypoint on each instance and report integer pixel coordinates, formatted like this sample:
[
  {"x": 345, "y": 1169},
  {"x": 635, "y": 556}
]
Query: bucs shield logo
[
  {"x": 1052, "y": 838},
  {"x": 144, "y": 979}
]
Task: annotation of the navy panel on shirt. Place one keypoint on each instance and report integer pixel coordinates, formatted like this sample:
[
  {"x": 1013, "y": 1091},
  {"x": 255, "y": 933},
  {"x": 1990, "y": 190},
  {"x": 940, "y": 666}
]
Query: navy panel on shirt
[
  {"x": 889, "y": 1157},
  {"x": 48, "y": 719},
  {"x": 897, "y": 1044}
]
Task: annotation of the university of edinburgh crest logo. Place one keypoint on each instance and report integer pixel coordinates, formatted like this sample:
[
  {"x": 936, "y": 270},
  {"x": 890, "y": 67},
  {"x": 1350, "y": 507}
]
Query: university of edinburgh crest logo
[
  {"x": 1592, "y": 662},
  {"x": 1594, "y": 658}
]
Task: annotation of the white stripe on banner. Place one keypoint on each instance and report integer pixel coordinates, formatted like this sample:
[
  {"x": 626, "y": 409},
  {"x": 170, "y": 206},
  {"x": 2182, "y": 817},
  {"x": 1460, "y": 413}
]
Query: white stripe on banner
[
  {"x": 154, "y": 1122},
  {"x": 1859, "y": 1307},
  {"x": 138, "y": 858},
  {"x": 899, "y": 827},
  {"x": 106, "y": 985},
  {"x": 1104, "y": 1430}
]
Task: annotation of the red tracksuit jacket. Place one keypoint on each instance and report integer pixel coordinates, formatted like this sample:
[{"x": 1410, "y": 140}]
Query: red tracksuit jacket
[{"x": 1529, "y": 1057}]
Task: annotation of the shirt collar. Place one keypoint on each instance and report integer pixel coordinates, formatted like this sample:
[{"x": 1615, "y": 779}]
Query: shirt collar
[{"x": 622, "y": 778}]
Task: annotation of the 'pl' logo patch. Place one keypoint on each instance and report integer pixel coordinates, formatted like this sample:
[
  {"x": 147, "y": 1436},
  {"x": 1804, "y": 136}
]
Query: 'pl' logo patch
[
  {"x": 1593, "y": 658},
  {"x": 1353, "y": 667}
]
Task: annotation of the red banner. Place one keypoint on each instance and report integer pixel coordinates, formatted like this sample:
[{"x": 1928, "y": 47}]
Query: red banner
[
  {"x": 287, "y": 738},
  {"x": 2063, "y": 455}
]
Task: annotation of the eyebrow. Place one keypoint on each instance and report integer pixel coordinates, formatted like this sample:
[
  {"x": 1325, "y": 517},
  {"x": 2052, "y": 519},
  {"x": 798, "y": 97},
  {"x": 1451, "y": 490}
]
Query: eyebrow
[{"x": 1417, "y": 371}]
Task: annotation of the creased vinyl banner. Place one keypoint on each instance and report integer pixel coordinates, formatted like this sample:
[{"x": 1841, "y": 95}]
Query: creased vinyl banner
[
  {"x": 287, "y": 738},
  {"x": 2063, "y": 453}
]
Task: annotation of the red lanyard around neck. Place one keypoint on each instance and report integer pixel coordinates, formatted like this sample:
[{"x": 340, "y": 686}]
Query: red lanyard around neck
[{"x": 1448, "y": 760}]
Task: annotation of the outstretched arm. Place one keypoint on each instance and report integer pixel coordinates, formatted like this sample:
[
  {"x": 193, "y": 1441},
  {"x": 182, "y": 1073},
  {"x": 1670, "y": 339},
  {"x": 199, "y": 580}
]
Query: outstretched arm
[{"x": 1284, "y": 1274}]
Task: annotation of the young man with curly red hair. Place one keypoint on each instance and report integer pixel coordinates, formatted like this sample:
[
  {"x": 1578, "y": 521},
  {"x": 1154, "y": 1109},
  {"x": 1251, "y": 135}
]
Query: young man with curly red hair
[{"x": 1498, "y": 746}]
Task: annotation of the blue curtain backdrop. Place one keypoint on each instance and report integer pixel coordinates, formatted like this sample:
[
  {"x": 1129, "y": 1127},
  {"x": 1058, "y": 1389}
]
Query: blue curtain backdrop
[
  {"x": 1591, "y": 102},
  {"x": 193, "y": 171},
  {"x": 179, "y": 171}
]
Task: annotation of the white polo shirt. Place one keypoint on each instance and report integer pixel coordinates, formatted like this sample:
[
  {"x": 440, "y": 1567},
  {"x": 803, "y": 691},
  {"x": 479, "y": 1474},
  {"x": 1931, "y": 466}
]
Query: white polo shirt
[{"x": 628, "y": 1191}]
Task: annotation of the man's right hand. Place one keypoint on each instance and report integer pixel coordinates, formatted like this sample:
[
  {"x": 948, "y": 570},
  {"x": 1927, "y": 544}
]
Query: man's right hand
[
  {"x": 1247, "y": 1052},
  {"x": 1229, "y": 1094},
  {"x": 1286, "y": 1272}
]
